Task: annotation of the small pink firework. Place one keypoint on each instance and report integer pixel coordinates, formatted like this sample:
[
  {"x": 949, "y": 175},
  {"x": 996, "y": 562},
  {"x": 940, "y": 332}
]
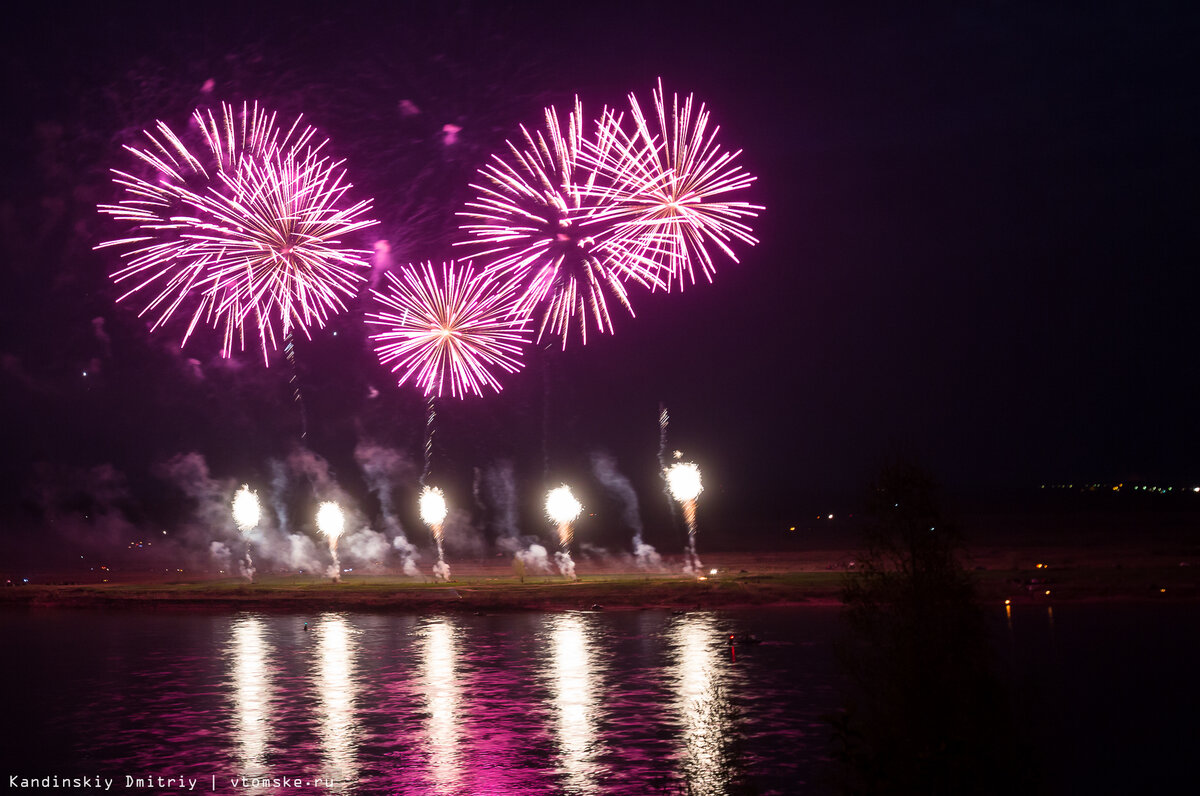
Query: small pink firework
[
  {"x": 535, "y": 227},
  {"x": 250, "y": 228},
  {"x": 449, "y": 333},
  {"x": 665, "y": 186}
]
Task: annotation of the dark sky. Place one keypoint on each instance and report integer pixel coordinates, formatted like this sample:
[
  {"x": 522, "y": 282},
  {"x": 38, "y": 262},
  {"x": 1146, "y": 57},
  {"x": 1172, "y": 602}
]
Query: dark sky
[{"x": 979, "y": 247}]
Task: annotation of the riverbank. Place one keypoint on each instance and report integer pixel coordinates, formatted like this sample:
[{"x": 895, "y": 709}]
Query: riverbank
[{"x": 1046, "y": 575}]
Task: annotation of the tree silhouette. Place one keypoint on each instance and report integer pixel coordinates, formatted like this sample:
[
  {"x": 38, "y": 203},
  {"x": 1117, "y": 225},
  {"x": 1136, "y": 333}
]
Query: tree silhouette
[{"x": 925, "y": 711}]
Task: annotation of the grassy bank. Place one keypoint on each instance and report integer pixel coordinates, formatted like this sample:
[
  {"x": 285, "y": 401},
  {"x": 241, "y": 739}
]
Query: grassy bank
[{"x": 774, "y": 585}]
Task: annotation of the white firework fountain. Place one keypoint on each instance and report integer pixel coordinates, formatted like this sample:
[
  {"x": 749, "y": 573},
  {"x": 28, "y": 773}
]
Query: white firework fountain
[
  {"x": 563, "y": 509},
  {"x": 433, "y": 514},
  {"x": 683, "y": 479},
  {"x": 246, "y": 513},
  {"x": 331, "y": 522}
]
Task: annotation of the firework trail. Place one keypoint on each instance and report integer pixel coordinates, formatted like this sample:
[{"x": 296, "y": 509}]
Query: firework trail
[
  {"x": 684, "y": 481},
  {"x": 248, "y": 223},
  {"x": 331, "y": 522},
  {"x": 246, "y": 513},
  {"x": 666, "y": 188},
  {"x": 664, "y": 419},
  {"x": 449, "y": 334},
  {"x": 563, "y": 509},
  {"x": 430, "y": 419},
  {"x": 289, "y": 348},
  {"x": 535, "y": 222},
  {"x": 433, "y": 514}
]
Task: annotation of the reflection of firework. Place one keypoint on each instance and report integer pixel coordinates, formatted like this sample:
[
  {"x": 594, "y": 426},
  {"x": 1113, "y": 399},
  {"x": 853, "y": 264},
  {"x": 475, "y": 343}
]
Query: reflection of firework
[
  {"x": 535, "y": 225},
  {"x": 458, "y": 329},
  {"x": 683, "y": 478},
  {"x": 433, "y": 513},
  {"x": 331, "y": 522},
  {"x": 250, "y": 226},
  {"x": 562, "y": 508},
  {"x": 246, "y": 513},
  {"x": 668, "y": 186}
]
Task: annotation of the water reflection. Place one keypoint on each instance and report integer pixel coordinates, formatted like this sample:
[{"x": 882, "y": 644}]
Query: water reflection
[
  {"x": 251, "y": 693},
  {"x": 615, "y": 703},
  {"x": 574, "y": 701},
  {"x": 443, "y": 699},
  {"x": 336, "y": 692},
  {"x": 707, "y": 719}
]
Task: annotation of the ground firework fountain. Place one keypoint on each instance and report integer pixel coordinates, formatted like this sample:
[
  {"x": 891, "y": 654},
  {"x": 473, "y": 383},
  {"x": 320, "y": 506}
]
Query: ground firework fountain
[
  {"x": 433, "y": 514},
  {"x": 684, "y": 480},
  {"x": 562, "y": 508},
  {"x": 331, "y": 522},
  {"x": 246, "y": 513}
]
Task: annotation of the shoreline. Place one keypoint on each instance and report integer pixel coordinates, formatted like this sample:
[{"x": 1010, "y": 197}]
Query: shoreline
[{"x": 483, "y": 591}]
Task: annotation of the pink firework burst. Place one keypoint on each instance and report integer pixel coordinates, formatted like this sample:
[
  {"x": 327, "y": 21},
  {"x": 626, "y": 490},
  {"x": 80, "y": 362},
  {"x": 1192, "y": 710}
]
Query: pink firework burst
[
  {"x": 538, "y": 229},
  {"x": 452, "y": 332},
  {"x": 249, "y": 228},
  {"x": 667, "y": 187}
]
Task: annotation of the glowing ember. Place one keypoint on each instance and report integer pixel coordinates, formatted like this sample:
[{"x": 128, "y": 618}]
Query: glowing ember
[
  {"x": 449, "y": 335},
  {"x": 246, "y": 224}
]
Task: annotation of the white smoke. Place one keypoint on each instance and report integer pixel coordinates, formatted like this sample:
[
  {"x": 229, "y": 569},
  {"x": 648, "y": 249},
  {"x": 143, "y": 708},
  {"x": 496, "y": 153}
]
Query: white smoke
[
  {"x": 382, "y": 469},
  {"x": 441, "y": 570},
  {"x": 220, "y": 554},
  {"x": 535, "y": 558},
  {"x": 604, "y": 467},
  {"x": 408, "y": 553},
  {"x": 365, "y": 549},
  {"x": 565, "y": 565},
  {"x": 461, "y": 537}
]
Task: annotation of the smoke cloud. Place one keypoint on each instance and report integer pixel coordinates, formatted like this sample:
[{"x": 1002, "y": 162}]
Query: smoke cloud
[{"x": 604, "y": 467}]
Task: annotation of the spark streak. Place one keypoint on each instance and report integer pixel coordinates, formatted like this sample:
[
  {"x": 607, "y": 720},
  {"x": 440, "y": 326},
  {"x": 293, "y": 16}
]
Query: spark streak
[
  {"x": 449, "y": 334},
  {"x": 249, "y": 227}
]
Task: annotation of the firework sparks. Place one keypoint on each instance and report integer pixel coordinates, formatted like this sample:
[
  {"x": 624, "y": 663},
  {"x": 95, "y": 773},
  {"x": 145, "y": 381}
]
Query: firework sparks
[
  {"x": 247, "y": 223},
  {"x": 433, "y": 513},
  {"x": 683, "y": 478},
  {"x": 331, "y": 522},
  {"x": 668, "y": 187},
  {"x": 449, "y": 334},
  {"x": 534, "y": 223},
  {"x": 563, "y": 509},
  {"x": 246, "y": 509},
  {"x": 246, "y": 514}
]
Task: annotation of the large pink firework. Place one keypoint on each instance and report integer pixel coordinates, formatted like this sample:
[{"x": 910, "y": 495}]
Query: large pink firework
[
  {"x": 535, "y": 225},
  {"x": 247, "y": 229},
  {"x": 666, "y": 187},
  {"x": 451, "y": 333}
]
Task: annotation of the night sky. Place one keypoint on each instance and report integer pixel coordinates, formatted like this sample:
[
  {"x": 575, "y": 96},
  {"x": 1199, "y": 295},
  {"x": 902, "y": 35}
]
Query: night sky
[{"x": 979, "y": 248}]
